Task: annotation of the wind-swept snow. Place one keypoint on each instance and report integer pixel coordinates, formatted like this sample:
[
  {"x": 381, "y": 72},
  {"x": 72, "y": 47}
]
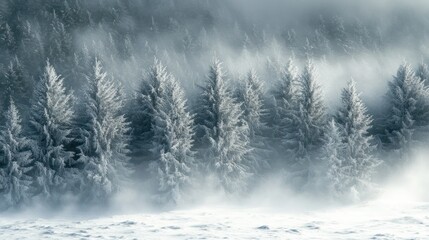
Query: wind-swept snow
[{"x": 375, "y": 220}]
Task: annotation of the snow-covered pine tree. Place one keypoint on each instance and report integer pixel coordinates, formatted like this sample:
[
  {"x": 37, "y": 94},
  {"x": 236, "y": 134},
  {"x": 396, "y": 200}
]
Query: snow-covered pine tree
[
  {"x": 145, "y": 105},
  {"x": 188, "y": 43},
  {"x": 285, "y": 100},
  {"x": 252, "y": 99},
  {"x": 59, "y": 38},
  {"x": 423, "y": 73},
  {"x": 13, "y": 84},
  {"x": 309, "y": 121},
  {"x": 408, "y": 99},
  {"x": 321, "y": 43},
  {"x": 51, "y": 118},
  {"x": 15, "y": 164},
  {"x": 173, "y": 141},
  {"x": 338, "y": 35},
  {"x": 354, "y": 123},
  {"x": 8, "y": 38},
  {"x": 31, "y": 46},
  {"x": 333, "y": 158},
  {"x": 105, "y": 149},
  {"x": 225, "y": 140},
  {"x": 253, "y": 103}
]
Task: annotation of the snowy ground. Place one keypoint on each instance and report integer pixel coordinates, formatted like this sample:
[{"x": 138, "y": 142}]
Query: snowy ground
[{"x": 375, "y": 220}]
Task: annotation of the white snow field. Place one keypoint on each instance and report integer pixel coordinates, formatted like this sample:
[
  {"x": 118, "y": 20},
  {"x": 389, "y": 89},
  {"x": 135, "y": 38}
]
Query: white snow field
[{"x": 375, "y": 220}]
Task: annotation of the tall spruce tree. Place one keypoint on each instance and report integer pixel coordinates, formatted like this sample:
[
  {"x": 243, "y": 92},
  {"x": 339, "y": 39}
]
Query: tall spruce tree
[
  {"x": 225, "y": 139},
  {"x": 105, "y": 149},
  {"x": 144, "y": 107},
  {"x": 409, "y": 108},
  {"x": 354, "y": 123},
  {"x": 253, "y": 103},
  {"x": 285, "y": 100},
  {"x": 254, "y": 114},
  {"x": 309, "y": 122},
  {"x": 333, "y": 158},
  {"x": 13, "y": 83},
  {"x": 423, "y": 73},
  {"x": 51, "y": 118},
  {"x": 15, "y": 165},
  {"x": 8, "y": 39},
  {"x": 173, "y": 141}
]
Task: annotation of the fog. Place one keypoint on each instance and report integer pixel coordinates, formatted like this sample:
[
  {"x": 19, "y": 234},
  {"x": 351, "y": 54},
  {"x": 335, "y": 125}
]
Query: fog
[
  {"x": 399, "y": 25},
  {"x": 367, "y": 42}
]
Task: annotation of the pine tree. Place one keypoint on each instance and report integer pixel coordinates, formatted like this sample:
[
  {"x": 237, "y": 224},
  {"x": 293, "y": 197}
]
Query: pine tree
[
  {"x": 309, "y": 120},
  {"x": 423, "y": 73},
  {"x": 225, "y": 140},
  {"x": 285, "y": 101},
  {"x": 59, "y": 39},
  {"x": 14, "y": 84},
  {"x": 144, "y": 107},
  {"x": 252, "y": 99},
  {"x": 51, "y": 118},
  {"x": 253, "y": 105},
  {"x": 8, "y": 38},
  {"x": 173, "y": 140},
  {"x": 333, "y": 157},
  {"x": 321, "y": 43},
  {"x": 189, "y": 45},
  {"x": 338, "y": 34},
  {"x": 409, "y": 107},
  {"x": 354, "y": 123},
  {"x": 31, "y": 47},
  {"x": 14, "y": 168},
  {"x": 105, "y": 148}
]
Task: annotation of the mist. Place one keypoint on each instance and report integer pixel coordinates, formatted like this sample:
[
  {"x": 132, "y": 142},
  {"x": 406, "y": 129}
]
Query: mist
[{"x": 114, "y": 112}]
